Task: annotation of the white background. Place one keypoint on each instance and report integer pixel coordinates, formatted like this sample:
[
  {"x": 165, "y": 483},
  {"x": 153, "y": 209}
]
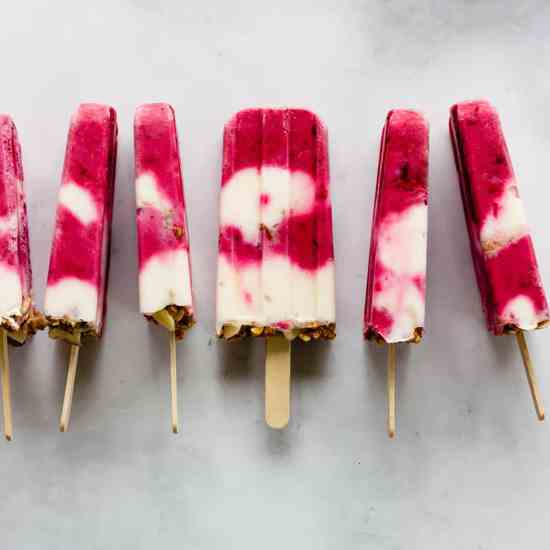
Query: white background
[{"x": 470, "y": 467}]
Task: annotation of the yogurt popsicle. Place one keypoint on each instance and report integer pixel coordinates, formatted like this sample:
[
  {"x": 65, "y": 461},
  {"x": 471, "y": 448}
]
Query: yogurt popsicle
[
  {"x": 75, "y": 299},
  {"x": 507, "y": 273},
  {"x": 163, "y": 239},
  {"x": 396, "y": 281},
  {"x": 79, "y": 263},
  {"x": 506, "y": 269},
  {"x": 276, "y": 258},
  {"x": 18, "y": 317}
]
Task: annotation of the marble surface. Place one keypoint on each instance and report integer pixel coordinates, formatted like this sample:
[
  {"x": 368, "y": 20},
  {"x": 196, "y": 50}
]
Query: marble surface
[{"x": 470, "y": 466}]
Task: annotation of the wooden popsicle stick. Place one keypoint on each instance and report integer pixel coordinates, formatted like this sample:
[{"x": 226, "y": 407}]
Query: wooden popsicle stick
[
  {"x": 174, "y": 382},
  {"x": 277, "y": 382},
  {"x": 530, "y": 371},
  {"x": 69, "y": 389},
  {"x": 6, "y": 387},
  {"x": 391, "y": 389}
]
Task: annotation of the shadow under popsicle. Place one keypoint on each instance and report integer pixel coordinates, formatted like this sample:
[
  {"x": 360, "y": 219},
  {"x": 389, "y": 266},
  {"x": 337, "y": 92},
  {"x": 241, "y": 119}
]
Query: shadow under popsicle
[
  {"x": 309, "y": 360},
  {"x": 28, "y": 410},
  {"x": 236, "y": 359}
]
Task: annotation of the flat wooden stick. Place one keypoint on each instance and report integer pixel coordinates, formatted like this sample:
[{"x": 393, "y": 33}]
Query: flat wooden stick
[
  {"x": 6, "y": 387},
  {"x": 277, "y": 382},
  {"x": 530, "y": 371},
  {"x": 391, "y": 389},
  {"x": 69, "y": 390},
  {"x": 174, "y": 382}
]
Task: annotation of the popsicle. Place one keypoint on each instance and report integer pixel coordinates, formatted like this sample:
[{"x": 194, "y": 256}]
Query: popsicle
[
  {"x": 505, "y": 265},
  {"x": 396, "y": 281},
  {"x": 76, "y": 292},
  {"x": 276, "y": 258},
  {"x": 19, "y": 319},
  {"x": 165, "y": 293}
]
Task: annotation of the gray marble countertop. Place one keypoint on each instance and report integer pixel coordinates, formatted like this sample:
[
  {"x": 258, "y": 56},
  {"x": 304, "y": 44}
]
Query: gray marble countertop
[{"x": 470, "y": 467}]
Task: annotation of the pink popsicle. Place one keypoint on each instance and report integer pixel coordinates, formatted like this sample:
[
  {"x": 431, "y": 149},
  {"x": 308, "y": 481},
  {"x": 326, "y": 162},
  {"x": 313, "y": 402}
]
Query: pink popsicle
[
  {"x": 18, "y": 316},
  {"x": 507, "y": 273},
  {"x": 163, "y": 238},
  {"x": 276, "y": 257},
  {"x": 396, "y": 282},
  {"x": 75, "y": 300},
  {"x": 506, "y": 269}
]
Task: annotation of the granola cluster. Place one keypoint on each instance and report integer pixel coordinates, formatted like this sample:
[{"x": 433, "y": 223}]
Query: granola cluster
[
  {"x": 312, "y": 331},
  {"x": 176, "y": 319},
  {"x": 512, "y": 329},
  {"x": 71, "y": 331},
  {"x": 21, "y": 327}
]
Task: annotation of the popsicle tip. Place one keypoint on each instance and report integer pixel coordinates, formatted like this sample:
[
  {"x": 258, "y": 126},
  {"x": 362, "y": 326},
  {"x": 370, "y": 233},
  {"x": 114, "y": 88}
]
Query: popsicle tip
[
  {"x": 153, "y": 111},
  {"x": 8, "y": 437},
  {"x": 541, "y": 416},
  {"x": 62, "y": 427},
  {"x": 391, "y": 433},
  {"x": 258, "y": 111},
  {"x": 6, "y": 119},
  {"x": 175, "y": 428}
]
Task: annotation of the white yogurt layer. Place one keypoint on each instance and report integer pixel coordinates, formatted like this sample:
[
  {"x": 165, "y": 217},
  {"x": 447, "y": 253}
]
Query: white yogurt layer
[
  {"x": 520, "y": 311},
  {"x": 11, "y": 293},
  {"x": 240, "y": 203},
  {"x": 508, "y": 225},
  {"x": 241, "y": 198},
  {"x": 164, "y": 280},
  {"x": 401, "y": 249},
  {"x": 148, "y": 193},
  {"x": 72, "y": 298},
  {"x": 401, "y": 298},
  {"x": 402, "y": 240},
  {"x": 79, "y": 202},
  {"x": 275, "y": 291}
]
